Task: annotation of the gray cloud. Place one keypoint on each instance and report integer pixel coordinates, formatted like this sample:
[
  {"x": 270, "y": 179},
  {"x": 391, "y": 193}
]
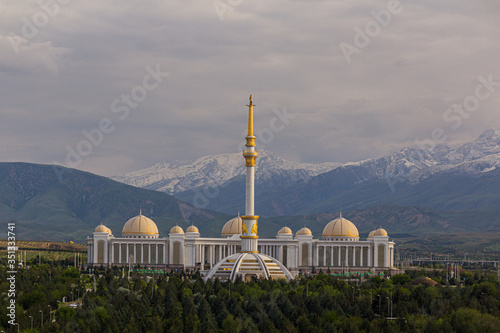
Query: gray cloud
[{"x": 396, "y": 90}]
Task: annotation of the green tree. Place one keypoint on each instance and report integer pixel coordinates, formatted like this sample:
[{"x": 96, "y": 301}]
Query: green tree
[{"x": 231, "y": 324}]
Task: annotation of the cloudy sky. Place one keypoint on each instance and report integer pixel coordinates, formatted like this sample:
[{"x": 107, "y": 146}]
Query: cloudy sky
[{"x": 151, "y": 81}]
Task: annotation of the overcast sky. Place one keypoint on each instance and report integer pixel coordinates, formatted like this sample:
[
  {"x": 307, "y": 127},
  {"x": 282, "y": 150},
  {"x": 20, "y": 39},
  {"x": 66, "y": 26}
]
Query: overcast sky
[{"x": 68, "y": 67}]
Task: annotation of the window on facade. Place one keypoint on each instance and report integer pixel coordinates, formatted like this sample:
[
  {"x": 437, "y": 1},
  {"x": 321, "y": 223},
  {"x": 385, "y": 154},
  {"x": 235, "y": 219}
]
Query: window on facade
[
  {"x": 381, "y": 255},
  {"x": 305, "y": 255},
  {"x": 177, "y": 253}
]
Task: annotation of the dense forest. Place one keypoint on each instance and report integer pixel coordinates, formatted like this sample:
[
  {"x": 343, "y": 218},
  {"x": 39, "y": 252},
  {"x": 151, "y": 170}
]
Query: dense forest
[{"x": 182, "y": 302}]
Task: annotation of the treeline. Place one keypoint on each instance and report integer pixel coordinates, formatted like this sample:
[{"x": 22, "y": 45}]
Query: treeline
[{"x": 181, "y": 302}]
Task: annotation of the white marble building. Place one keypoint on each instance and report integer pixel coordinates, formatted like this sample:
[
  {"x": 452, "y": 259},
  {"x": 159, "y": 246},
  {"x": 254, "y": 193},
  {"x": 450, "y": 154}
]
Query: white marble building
[
  {"x": 240, "y": 252},
  {"x": 339, "y": 248}
]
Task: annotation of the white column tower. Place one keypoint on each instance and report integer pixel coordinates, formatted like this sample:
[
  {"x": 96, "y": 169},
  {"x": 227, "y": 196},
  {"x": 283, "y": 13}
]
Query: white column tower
[
  {"x": 249, "y": 264},
  {"x": 249, "y": 226}
]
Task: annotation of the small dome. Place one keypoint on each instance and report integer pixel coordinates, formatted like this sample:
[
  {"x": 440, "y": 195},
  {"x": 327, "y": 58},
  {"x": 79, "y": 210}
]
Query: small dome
[
  {"x": 304, "y": 231},
  {"x": 192, "y": 228},
  {"x": 177, "y": 230},
  {"x": 378, "y": 232},
  {"x": 285, "y": 230},
  {"x": 232, "y": 227},
  {"x": 102, "y": 228},
  {"x": 340, "y": 227},
  {"x": 140, "y": 225}
]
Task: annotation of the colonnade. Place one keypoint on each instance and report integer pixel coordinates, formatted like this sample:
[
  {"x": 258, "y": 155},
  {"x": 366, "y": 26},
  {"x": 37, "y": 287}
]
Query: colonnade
[
  {"x": 139, "y": 253},
  {"x": 343, "y": 255},
  {"x": 200, "y": 251},
  {"x": 213, "y": 253}
]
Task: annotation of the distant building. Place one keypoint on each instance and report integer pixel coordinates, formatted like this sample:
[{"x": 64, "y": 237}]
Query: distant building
[{"x": 239, "y": 252}]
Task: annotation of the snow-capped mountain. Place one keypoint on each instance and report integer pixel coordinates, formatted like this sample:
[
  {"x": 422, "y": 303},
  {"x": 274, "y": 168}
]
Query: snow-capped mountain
[
  {"x": 408, "y": 164},
  {"x": 179, "y": 176},
  {"x": 463, "y": 177},
  {"x": 480, "y": 155}
]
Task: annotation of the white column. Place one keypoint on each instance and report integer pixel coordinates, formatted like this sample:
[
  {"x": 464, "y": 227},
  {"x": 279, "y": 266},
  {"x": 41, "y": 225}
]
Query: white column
[
  {"x": 386, "y": 257},
  {"x": 353, "y": 255},
  {"x": 331, "y": 255},
  {"x": 250, "y": 173},
  {"x": 167, "y": 252},
  {"x": 136, "y": 259},
  {"x": 354, "y": 261},
  {"x": 375, "y": 255},
  {"x": 362, "y": 249},
  {"x": 370, "y": 264},
  {"x": 211, "y": 254},
  {"x": 347, "y": 255},
  {"x": 310, "y": 258},
  {"x": 106, "y": 245},
  {"x": 338, "y": 255},
  {"x": 324, "y": 256},
  {"x": 128, "y": 255}
]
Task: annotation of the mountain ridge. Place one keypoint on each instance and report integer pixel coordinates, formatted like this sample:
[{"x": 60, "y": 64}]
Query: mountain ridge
[
  {"x": 45, "y": 208},
  {"x": 69, "y": 207}
]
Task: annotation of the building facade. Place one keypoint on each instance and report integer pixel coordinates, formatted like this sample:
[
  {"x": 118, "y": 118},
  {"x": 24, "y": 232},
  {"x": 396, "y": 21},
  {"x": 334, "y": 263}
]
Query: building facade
[{"x": 339, "y": 248}]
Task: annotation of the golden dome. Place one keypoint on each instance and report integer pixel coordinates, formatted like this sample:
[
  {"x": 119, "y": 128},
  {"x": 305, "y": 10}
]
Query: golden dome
[
  {"x": 340, "y": 227},
  {"x": 304, "y": 231},
  {"x": 285, "y": 230},
  {"x": 378, "y": 232},
  {"x": 192, "y": 228},
  {"x": 177, "y": 230},
  {"x": 140, "y": 225},
  {"x": 102, "y": 228},
  {"x": 232, "y": 227}
]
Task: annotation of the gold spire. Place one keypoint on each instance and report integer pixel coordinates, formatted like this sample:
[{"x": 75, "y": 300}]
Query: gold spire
[
  {"x": 250, "y": 137},
  {"x": 250, "y": 117},
  {"x": 250, "y": 154}
]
